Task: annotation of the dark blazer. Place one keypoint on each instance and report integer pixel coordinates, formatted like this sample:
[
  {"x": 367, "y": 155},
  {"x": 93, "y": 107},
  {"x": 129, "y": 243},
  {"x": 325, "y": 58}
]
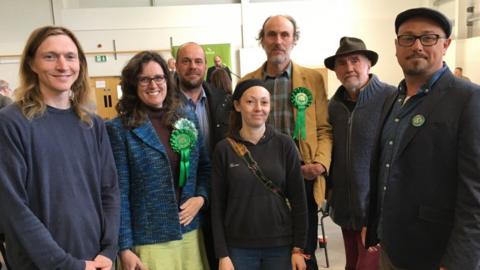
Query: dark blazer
[
  {"x": 431, "y": 207},
  {"x": 219, "y": 107}
]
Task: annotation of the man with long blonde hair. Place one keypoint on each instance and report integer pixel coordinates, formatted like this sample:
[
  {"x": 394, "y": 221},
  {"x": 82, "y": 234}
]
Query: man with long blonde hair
[{"x": 59, "y": 195}]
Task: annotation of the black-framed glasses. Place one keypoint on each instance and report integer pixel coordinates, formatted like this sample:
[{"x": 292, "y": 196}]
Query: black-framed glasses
[
  {"x": 426, "y": 40},
  {"x": 145, "y": 81}
]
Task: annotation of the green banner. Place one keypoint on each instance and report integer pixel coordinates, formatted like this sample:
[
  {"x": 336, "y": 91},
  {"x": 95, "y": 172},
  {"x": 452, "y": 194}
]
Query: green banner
[{"x": 212, "y": 50}]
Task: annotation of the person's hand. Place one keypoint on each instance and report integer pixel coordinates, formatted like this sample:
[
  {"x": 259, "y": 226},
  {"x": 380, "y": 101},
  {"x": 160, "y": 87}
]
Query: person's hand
[
  {"x": 225, "y": 264},
  {"x": 90, "y": 265},
  {"x": 312, "y": 171},
  {"x": 103, "y": 263},
  {"x": 130, "y": 261},
  {"x": 298, "y": 262},
  {"x": 189, "y": 209},
  {"x": 363, "y": 235}
]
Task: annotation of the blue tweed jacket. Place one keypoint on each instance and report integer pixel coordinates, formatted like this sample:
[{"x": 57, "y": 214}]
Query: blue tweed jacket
[{"x": 149, "y": 211}]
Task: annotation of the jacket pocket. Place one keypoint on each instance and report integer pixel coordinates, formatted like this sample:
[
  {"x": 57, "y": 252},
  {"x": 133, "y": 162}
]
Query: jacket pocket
[{"x": 431, "y": 214}]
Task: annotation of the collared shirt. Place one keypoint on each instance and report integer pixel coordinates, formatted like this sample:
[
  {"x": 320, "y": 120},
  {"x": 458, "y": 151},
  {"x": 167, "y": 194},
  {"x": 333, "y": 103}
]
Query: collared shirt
[
  {"x": 402, "y": 114},
  {"x": 201, "y": 111},
  {"x": 281, "y": 111}
]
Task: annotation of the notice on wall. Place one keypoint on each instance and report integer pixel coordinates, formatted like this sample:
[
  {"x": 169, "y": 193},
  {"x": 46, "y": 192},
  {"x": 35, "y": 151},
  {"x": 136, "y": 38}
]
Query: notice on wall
[
  {"x": 100, "y": 84},
  {"x": 119, "y": 91}
]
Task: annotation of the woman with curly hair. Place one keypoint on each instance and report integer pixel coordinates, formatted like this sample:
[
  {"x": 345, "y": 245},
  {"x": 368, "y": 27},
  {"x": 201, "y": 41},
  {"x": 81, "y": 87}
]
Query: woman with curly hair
[{"x": 162, "y": 168}]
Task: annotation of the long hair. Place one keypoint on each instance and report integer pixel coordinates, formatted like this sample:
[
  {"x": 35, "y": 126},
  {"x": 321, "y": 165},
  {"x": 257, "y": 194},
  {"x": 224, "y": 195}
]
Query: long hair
[
  {"x": 28, "y": 95},
  {"x": 130, "y": 107},
  {"x": 220, "y": 80},
  {"x": 235, "y": 121}
]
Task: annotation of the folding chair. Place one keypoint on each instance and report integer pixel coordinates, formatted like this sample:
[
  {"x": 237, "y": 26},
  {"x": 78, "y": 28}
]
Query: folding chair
[
  {"x": 325, "y": 213},
  {"x": 3, "y": 251}
]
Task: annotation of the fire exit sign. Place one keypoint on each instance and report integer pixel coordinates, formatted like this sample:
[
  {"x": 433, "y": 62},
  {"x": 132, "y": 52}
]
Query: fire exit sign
[{"x": 100, "y": 58}]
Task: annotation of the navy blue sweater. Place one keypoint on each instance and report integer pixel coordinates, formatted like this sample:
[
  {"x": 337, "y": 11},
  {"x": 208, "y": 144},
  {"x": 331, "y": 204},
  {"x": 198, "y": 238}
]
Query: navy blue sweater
[
  {"x": 59, "y": 197},
  {"x": 353, "y": 137}
]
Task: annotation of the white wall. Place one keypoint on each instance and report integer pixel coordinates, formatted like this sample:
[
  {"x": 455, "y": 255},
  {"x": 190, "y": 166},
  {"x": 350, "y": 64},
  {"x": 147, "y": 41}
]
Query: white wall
[
  {"x": 322, "y": 24},
  {"x": 17, "y": 20},
  {"x": 467, "y": 57},
  {"x": 152, "y": 32}
]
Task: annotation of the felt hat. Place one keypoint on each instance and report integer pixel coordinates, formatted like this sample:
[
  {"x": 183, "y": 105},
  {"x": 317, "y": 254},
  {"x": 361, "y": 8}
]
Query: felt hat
[{"x": 349, "y": 45}]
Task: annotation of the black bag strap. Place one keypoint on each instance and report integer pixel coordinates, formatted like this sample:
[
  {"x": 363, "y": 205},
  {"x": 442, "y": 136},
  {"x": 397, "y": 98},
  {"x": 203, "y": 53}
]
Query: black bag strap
[{"x": 243, "y": 152}]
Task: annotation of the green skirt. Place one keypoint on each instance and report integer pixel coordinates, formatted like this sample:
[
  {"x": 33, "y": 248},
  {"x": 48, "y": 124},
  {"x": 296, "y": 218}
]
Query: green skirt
[{"x": 185, "y": 254}]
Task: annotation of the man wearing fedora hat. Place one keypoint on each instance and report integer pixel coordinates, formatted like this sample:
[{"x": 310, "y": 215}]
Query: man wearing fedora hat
[
  {"x": 284, "y": 79},
  {"x": 354, "y": 112},
  {"x": 425, "y": 196}
]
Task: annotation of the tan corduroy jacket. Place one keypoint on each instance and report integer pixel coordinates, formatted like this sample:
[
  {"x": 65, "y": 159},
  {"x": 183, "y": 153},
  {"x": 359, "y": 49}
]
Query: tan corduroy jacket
[{"x": 317, "y": 148}]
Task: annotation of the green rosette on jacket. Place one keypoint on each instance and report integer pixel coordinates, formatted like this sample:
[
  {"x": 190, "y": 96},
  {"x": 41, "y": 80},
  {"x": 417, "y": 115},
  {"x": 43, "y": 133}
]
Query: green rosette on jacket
[
  {"x": 301, "y": 99},
  {"x": 182, "y": 140}
]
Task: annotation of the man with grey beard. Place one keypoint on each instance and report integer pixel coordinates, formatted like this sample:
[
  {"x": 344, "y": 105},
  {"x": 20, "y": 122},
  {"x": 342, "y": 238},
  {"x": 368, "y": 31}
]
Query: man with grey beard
[
  {"x": 354, "y": 113},
  {"x": 308, "y": 125},
  {"x": 212, "y": 107}
]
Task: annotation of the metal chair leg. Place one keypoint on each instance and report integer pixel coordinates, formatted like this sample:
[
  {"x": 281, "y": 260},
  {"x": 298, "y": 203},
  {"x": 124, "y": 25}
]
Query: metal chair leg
[{"x": 324, "y": 239}]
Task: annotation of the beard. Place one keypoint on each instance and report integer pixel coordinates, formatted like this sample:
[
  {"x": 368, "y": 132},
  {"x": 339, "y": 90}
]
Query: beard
[
  {"x": 415, "y": 65},
  {"x": 414, "y": 69},
  {"x": 188, "y": 85},
  {"x": 278, "y": 59},
  {"x": 352, "y": 85}
]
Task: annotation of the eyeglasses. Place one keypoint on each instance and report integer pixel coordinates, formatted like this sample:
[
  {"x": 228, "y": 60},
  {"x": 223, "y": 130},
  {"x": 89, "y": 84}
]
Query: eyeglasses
[
  {"x": 145, "y": 81},
  {"x": 426, "y": 40}
]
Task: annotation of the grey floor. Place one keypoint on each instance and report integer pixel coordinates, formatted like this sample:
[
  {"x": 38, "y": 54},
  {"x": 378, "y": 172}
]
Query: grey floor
[{"x": 335, "y": 249}]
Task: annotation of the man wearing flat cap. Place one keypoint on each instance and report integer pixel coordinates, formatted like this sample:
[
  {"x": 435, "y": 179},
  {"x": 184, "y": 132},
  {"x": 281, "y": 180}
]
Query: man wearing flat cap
[
  {"x": 299, "y": 109},
  {"x": 354, "y": 113},
  {"x": 425, "y": 196}
]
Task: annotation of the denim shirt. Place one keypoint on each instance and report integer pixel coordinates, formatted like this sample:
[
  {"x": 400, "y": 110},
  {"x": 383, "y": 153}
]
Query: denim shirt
[{"x": 200, "y": 109}]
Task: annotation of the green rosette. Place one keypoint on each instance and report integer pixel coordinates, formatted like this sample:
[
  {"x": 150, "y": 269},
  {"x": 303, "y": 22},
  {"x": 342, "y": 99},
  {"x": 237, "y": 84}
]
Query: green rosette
[
  {"x": 182, "y": 141},
  {"x": 301, "y": 99},
  {"x": 184, "y": 123}
]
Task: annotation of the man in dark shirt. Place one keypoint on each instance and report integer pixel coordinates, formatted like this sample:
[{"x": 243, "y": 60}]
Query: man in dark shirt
[
  {"x": 425, "y": 196},
  {"x": 217, "y": 65},
  {"x": 59, "y": 194}
]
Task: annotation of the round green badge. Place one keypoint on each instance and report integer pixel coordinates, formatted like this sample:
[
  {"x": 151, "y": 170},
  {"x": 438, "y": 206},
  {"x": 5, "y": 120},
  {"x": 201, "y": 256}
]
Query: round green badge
[{"x": 418, "y": 120}]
